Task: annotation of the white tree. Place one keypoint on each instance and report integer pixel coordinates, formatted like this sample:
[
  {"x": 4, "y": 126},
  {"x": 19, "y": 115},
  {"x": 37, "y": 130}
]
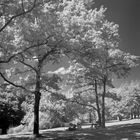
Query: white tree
[
  {"x": 36, "y": 40},
  {"x": 97, "y": 45}
]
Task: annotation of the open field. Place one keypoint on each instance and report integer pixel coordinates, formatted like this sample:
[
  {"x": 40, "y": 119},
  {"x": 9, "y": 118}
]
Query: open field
[{"x": 124, "y": 130}]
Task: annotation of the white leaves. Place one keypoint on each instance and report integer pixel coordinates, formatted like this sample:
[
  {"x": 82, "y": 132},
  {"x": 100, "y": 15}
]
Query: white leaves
[
  {"x": 77, "y": 20},
  {"x": 9, "y": 72},
  {"x": 116, "y": 54},
  {"x": 131, "y": 59},
  {"x": 129, "y": 98}
]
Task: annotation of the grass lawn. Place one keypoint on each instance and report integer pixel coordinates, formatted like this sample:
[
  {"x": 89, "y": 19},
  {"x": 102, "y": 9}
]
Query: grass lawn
[{"x": 124, "y": 130}]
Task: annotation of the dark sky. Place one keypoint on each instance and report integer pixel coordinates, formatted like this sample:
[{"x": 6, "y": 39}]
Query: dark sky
[{"x": 126, "y": 13}]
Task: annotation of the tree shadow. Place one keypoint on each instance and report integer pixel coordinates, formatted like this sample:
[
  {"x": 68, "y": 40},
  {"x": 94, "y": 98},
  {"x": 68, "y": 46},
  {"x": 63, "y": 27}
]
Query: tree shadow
[{"x": 118, "y": 132}]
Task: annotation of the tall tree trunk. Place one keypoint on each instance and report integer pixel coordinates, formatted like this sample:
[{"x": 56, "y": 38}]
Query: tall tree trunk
[
  {"x": 37, "y": 102},
  {"x": 41, "y": 59},
  {"x": 97, "y": 104},
  {"x": 103, "y": 103}
]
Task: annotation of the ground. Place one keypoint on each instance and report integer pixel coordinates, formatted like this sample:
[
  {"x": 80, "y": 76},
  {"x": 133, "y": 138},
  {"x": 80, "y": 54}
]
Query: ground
[{"x": 124, "y": 130}]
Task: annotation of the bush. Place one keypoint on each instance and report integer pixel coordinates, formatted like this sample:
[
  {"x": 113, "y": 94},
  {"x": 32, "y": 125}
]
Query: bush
[
  {"x": 17, "y": 129},
  {"x": 44, "y": 123},
  {"x": 11, "y": 112}
]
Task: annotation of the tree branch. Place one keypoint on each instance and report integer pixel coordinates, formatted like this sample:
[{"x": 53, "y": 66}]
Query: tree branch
[
  {"x": 13, "y": 84},
  {"x": 18, "y": 15},
  {"x": 114, "y": 65},
  {"x": 75, "y": 101},
  {"x": 52, "y": 92},
  {"x": 23, "y": 72},
  {"x": 18, "y": 53},
  {"x": 46, "y": 55},
  {"x": 54, "y": 49},
  {"x": 22, "y": 5},
  {"x": 22, "y": 62}
]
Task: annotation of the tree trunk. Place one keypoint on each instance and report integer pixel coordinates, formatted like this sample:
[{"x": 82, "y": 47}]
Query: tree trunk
[
  {"x": 135, "y": 115},
  {"x": 36, "y": 113},
  {"x": 37, "y": 102},
  {"x": 103, "y": 103},
  {"x": 97, "y": 104},
  {"x": 90, "y": 117},
  {"x": 41, "y": 59}
]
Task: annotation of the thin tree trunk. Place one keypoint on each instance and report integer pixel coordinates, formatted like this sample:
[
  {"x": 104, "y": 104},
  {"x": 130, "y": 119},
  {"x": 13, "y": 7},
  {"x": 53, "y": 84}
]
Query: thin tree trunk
[
  {"x": 90, "y": 117},
  {"x": 97, "y": 104},
  {"x": 103, "y": 103}
]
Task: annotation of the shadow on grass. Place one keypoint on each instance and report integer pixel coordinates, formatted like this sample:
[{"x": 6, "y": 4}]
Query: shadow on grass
[{"x": 118, "y": 132}]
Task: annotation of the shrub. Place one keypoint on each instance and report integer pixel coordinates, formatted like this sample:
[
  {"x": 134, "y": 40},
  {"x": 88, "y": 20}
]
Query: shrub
[{"x": 17, "y": 129}]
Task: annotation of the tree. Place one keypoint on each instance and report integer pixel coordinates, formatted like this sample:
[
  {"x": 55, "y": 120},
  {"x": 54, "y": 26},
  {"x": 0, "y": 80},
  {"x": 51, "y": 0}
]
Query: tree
[
  {"x": 97, "y": 45},
  {"x": 11, "y": 11},
  {"x": 37, "y": 40},
  {"x": 128, "y": 104},
  {"x": 84, "y": 90},
  {"x": 11, "y": 112},
  {"x": 60, "y": 109}
]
